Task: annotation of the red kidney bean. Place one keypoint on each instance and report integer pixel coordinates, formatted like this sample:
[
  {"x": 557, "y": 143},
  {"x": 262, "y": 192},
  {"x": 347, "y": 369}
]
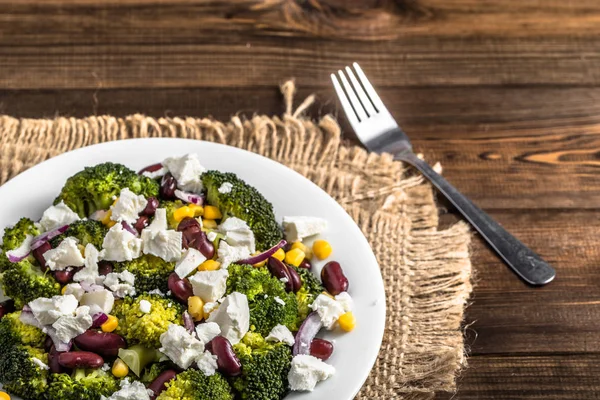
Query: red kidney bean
[
  {"x": 294, "y": 279},
  {"x": 203, "y": 245},
  {"x": 48, "y": 343},
  {"x": 279, "y": 270},
  {"x": 189, "y": 223},
  {"x": 158, "y": 384},
  {"x": 151, "y": 206},
  {"x": 141, "y": 223},
  {"x": 180, "y": 288},
  {"x": 38, "y": 254},
  {"x": 168, "y": 185},
  {"x": 150, "y": 168},
  {"x": 333, "y": 278},
  {"x": 305, "y": 264},
  {"x": 103, "y": 343},
  {"x": 321, "y": 348},
  {"x": 6, "y": 307},
  {"x": 80, "y": 359},
  {"x": 227, "y": 361},
  {"x": 53, "y": 363},
  {"x": 105, "y": 267},
  {"x": 64, "y": 277}
]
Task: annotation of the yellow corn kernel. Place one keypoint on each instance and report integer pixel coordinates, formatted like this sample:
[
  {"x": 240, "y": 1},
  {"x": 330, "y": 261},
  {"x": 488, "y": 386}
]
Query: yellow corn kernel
[
  {"x": 294, "y": 257},
  {"x": 4, "y": 396},
  {"x": 196, "y": 308},
  {"x": 110, "y": 325},
  {"x": 63, "y": 290},
  {"x": 307, "y": 251},
  {"x": 279, "y": 254},
  {"x": 321, "y": 249},
  {"x": 182, "y": 212},
  {"x": 196, "y": 209},
  {"x": 120, "y": 369},
  {"x": 209, "y": 223},
  {"x": 212, "y": 212},
  {"x": 347, "y": 321},
  {"x": 106, "y": 220},
  {"x": 209, "y": 265}
]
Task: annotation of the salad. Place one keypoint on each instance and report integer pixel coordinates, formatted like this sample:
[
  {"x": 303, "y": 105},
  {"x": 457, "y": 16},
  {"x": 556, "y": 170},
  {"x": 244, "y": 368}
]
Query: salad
[{"x": 172, "y": 283}]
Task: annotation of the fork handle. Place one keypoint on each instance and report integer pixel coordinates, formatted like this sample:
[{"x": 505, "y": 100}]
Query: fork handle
[{"x": 527, "y": 264}]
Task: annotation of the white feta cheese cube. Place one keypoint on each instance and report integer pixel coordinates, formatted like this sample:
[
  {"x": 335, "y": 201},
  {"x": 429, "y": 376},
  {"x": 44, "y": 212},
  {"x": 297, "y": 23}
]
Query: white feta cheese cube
[
  {"x": 212, "y": 235},
  {"x": 159, "y": 223},
  {"x": 210, "y": 307},
  {"x": 128, "y": 206},
  {"x": 345, "y": 301},
  {"x": 180, "y": 346},
  {"x": 233, "y": 317},
  {"x": 69, "y": 326},
  {"x": 159, "y": 173},
  {"x": 121, "y": 245},
  {"x": 134, "y": 390},
  {"x": 328, "y": 309},
  {"x": 186, "y": 170},
  {"x": 229, "y": 254},
  {"x": 67, "y": 254},
  {"x": 145, "y": 306},
  {"x": 75, "y": 289},
  {"x": 103, "y": 299},
  {"x": 225, "y": 188},
  {"x": 307, "y": 371},
  {"x": 189, "y": 262},
  {"x": 165, "y": 244},
  {"x": 207, "y": 331},
  {"x": 299, "y": 228},
  {"x": 57, "y": 216},
  {"x": 47, "y": 310},
  {"x": 207, "y": 363},
  {"x": 238, "y": 233},
  {"x": 89, "y": 272},
  {"x": 209, "y": 285},
  {"x": 121, "y": 284},
  {"x": 280, "y": 333}
]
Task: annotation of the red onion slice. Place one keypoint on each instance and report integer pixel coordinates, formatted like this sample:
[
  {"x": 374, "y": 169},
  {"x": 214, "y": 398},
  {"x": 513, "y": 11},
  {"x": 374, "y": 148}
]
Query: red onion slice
[
  {"x": 98, "y": 215},
  {"x": 44, "y": 237},
  {"x": 99, "y": 319},
  {"x": 189, "y": 197},
  {"x": 129, "y": 228},
  {"x": 264, "y": 255},
  {"x": 188, "y": 322},
  {"x": 307, "y": 332},
  {"x": 21, "y": 252}
]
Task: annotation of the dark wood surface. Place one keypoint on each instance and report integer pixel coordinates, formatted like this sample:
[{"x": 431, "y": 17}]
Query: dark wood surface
[{"x": 504, "y": 93}]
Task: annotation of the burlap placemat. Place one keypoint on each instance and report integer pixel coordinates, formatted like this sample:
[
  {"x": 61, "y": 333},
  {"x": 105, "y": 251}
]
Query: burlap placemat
[{"x": 426, "y": 271}]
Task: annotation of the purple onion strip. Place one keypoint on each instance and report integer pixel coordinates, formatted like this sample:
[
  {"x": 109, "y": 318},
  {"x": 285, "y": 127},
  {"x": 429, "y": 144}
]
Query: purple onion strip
[
  {"x": 264, "y": 255},
  {"x": 307, "y": 332},
  {"x": 44, "y": 237},
  {"x": 189, "y": 197}
]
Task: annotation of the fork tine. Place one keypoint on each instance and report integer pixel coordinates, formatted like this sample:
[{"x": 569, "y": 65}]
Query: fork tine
[
  {"x": 369, "y": 88},
  {"x": 358, "y": 108},
  {"x": 350, "y": 114},
  {"x": 364, "y": 99}
]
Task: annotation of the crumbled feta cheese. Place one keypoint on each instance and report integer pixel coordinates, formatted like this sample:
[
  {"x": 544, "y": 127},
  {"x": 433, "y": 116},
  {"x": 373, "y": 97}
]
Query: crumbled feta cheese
[
  {"x": 233, "y": 317},
  {"x": 229, "y": 254},
  {"x": 307, "y": 371},
  {"x": 128, "y": 206},
  {"x": 161, "y": 242},
  {"x": 189, "y": 262},
  {"x": 298, "y": 228},
  {"x": 121, "y": 245},
  {"x": 209, "y": 285},
  {"x": 67, "y": 254},
  {"x": 145, "y": 306},
  {"x": 238, "y": 233},
  {"x": 23, "y": 249},
  {"x": 181, "y": 346},
  {"x": 328, "y": 309},
  {"x": 75, "y": 289},
  {"x": 207, "y": 363},
  {"x": 186, "y": 170},
  {"x": 105, "y": 367},
  {"x": 47, "y": 310},
  {"x": 157, "y": 292},
  {"x": 210, "y": 307},
  {"x": 103, "y": 299},
  {"x": 89, "y": 273},
  {"x": 279, "y": 300},
  {"x": 280, "y": 333},
  {"x": 135, "y": 390},
  {"x": 40, "y": 363},
  {"x": 345, "y": 301},
  {"x": 69, "y": 326},
  {"x": 225, "y": 187},
  {"x": 212, "y": 235},
  {"x": 207, "y": 331},
  {"x": 284, "y": 279},
  {"x": 121, "y": 284},
  {"x": 57, "y": 216},
  {"x": 159, "y": 223},
  {"x": 155, "y": 174}
]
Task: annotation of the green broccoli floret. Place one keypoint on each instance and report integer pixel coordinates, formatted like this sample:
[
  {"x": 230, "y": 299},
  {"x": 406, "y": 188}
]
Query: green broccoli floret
[
  {"x": 31, "y": 388},
  {"x": 86, "y": 231},
  {"x": 265, "y": 312},
  {"x": 311, "y": 288},
  {"x": 194, "y": 385},
  {"x": 93, "y": 188},
  {"x": 82, "y": 385},
  {"x": 265, "y": 367},
  {"x": 145, "y": 329},
  {"x": 14, "y": 236},
  {"x": 152, "y": 371},
  {"x": 150, "y": 272},
  {"x": 170, "y": 207},
  {"x": 246, "y": 203},
  {"x": 24, "y": 282},
  {"x": 14, "y": 332}
]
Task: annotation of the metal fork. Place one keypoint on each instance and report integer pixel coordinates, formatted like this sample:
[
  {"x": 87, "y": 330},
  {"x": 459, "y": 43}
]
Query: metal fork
[{"x": 379, "y": 132}]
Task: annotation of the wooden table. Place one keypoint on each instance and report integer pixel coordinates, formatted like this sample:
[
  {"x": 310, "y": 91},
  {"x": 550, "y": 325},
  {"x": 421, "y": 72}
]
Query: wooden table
[{"x": 503, "y": 93}]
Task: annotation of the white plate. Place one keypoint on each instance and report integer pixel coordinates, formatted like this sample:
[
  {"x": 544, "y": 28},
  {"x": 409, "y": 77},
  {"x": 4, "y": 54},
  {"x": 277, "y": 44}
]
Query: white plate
[{"x": 30, "y": 193}]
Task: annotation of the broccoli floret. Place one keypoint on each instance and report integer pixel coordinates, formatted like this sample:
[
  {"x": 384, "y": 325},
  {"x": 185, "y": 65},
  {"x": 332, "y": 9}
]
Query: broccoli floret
[
  {"x": 145, "y": 329},
  {"x": 194, "y": 385},
  {"x": 246, "y": 203},
  {"x": 150, "y": 272},
  {"x": 86, "y": 231},
  {"x": 265, "y": 312},
  {"x": 170, "y": 207},
  {"x": 14, "y": 236},
  {"x": 311, "y": 288},
  {"x": 24, "y": 282},
  {"x": 82, "y": 385},
  {"x": 265, "y": 367},
  {"x": 14, "y": 332},
  {"x": 152, "y": 371},
  {"x": 31, "y": 388},
  {"x": 93, "y": 188}
]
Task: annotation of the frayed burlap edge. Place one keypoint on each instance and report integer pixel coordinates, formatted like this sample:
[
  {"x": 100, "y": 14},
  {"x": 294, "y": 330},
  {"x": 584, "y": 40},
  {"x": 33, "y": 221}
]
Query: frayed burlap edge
[{"x": 426, "y": 271}]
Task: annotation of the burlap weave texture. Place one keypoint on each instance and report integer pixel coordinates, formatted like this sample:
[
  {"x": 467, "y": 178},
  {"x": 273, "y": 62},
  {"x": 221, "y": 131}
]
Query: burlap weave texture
[{"x": 426, "y": 271}]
